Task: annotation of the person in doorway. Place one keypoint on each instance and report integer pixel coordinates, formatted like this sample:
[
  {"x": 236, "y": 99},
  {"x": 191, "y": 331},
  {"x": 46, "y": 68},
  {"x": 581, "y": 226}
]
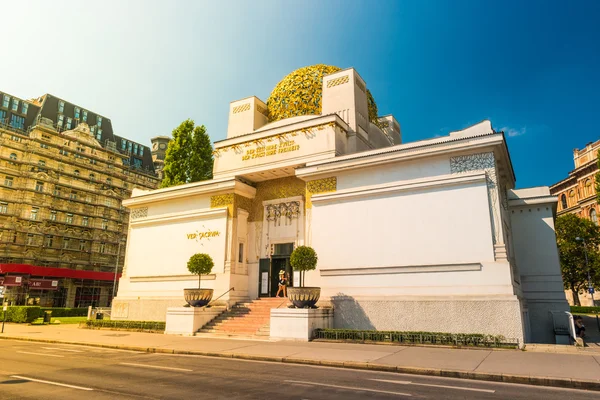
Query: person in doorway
[{"x": 282, "y": 284}]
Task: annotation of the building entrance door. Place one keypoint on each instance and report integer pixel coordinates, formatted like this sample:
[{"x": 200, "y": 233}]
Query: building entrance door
[{"x": 268, "y": 270}]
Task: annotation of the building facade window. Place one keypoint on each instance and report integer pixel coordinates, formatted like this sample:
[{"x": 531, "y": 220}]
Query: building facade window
[
  {"x": 52, "y": 215},
  {"x": 66, "y": 243},
  {"x": 24, "y": 108},
  {"x": 2, "y": 116},
  {"x": 69, "y": 122},
  {"x": 104, "y": 224},
  {"x": 123, "y": 144},
  {"x": 241, "y": 253},
  {"x": 141, "y": 153},
  {"x": 5, "y": 101},
  {"x": 99, "y": 134},
  {"x": 61, "y": 120},
  {"x": 34, "y": 213},
  {"x": 593, "y": 216},
  {"x": 85, "y": 221},
  {"x": 30, "y": 239},
  {"x": 99, "y": 121},
  {"x": 92, "y": 177},
  {"x": 563, "y": 201},
  {"x": 13, "y": 156},
  {"x": 15, "y": 105},
  {"x": 82, "y": 245},
  {"x": 61, "y": 106},
  {"x": 17, "y": 122},
  {"x": 43, "y": 145},
  {"x": 57, "y": 191},
  {"x": 69, "y": 219},
  {"x": 49, "y": 240},
  {"x": 8, "y": 181},
  {"x": 77, "y": 112},
  {"x": 108, "y": 181},
  {"x": 39, "y": 186},
  {"x": 3, "y": 208},
  {"x": 76, "y": 172},
  {"x": 84, "y": 116},
  {"x": 73, "y": 195},
  {"x": 102, "y": 247}
]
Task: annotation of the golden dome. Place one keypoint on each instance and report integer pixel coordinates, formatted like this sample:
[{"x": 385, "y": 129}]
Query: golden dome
[{"x": 300, "y": 92}]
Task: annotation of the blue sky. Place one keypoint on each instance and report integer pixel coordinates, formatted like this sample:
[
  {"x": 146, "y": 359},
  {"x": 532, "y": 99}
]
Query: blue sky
[{"x": 531, "y": 67}]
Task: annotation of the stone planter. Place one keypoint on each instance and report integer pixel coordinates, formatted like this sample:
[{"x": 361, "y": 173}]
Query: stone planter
[
  {"x": 197, "y": 297},
  {"x": 304, "y": 297}
]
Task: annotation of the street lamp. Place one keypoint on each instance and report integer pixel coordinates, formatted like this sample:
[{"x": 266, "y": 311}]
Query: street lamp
[{"x": 587, "y": 265}]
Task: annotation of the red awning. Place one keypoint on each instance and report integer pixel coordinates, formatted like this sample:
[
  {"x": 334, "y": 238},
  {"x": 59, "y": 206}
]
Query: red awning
[{"x": 49, "y": 272}]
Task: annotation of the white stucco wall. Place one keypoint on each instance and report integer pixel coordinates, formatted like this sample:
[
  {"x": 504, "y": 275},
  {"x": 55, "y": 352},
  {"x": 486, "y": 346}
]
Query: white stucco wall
[{"x": 536, "y": 253}]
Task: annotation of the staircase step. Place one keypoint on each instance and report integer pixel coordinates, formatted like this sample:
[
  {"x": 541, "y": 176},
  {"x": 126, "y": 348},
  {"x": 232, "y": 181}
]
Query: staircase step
[{"x": 247, "y": 319}]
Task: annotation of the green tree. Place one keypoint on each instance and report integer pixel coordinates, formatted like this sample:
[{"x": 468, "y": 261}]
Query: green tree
[
  {"x": 200, "y": 264},
  {"x": 303, "y": 258},
  {"x": 569, "y": 227},
  {"x": 189, "y": 156}
]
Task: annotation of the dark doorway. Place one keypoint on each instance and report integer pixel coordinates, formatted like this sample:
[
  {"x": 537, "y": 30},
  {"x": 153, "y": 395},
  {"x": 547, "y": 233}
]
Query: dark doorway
[{"x": 268, "y": 270}]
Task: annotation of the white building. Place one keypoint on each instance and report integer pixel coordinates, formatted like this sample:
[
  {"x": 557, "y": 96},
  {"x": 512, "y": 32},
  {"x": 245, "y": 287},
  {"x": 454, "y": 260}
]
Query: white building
[{"x": 422, "y": 236}]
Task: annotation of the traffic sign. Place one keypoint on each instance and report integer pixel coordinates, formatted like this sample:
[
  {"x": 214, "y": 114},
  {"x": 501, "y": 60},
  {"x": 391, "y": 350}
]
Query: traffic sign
[{"x": 591, "y": 290}]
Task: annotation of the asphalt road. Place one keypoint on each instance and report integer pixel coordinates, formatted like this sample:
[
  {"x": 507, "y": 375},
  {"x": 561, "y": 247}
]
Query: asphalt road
[{"x": 31, "y": 370}]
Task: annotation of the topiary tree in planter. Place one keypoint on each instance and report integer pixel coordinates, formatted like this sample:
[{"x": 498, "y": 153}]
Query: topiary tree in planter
[
  {"x": 304, "y": 258},
  {"x": 199, "y": 264}
]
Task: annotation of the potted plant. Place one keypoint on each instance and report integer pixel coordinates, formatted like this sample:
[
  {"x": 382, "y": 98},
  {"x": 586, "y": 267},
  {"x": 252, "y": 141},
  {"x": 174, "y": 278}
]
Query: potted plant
[
  {"x": 199, "y": 264},
  {"x": 304, "y": 258}
]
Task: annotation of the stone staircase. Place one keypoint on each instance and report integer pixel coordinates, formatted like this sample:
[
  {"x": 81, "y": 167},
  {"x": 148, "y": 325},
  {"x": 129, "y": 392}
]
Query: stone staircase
[{"x": 245, "y": 320}]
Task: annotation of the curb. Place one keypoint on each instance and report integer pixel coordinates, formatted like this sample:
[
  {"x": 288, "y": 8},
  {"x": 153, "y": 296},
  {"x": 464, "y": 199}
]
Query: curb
[{"x": 481, "y": 376}]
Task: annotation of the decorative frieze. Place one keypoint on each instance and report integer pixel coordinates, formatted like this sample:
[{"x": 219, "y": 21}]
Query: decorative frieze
[
  {"x": 138, "y": 213},
  {"x": 221, "y": 200},
  {"x": 289, "y": 210},
  {"x": 338, "y": 81},
  {"x": 241, "y": 108},
  {"x": 325, "y": 185}
]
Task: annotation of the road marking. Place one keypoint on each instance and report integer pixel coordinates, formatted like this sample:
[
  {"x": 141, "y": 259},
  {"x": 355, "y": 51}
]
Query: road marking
[
  {"x": 433, "y": 385},
  {"x": 50, "y": 383},
  {"x": 61, "y": 349},
  {"x": 157, "y": 367},
  {"x": 40, "y": 354},
  {"x": 349, "y": 387}
]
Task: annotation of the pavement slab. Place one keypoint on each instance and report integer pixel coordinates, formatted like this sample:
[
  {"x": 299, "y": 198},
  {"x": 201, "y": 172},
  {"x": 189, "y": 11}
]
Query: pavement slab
[
  {"x": 426, "y": 357},
  {"x": 572, "y": 366}
]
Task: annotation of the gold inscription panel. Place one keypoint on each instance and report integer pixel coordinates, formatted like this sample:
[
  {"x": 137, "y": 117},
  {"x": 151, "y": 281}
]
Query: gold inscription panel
[{"x": 271, "y": 150}]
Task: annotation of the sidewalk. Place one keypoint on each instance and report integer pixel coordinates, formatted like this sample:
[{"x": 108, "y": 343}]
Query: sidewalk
[{"x": 580, "y": 370}]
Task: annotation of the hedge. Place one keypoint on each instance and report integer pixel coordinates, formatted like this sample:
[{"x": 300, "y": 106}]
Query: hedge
[
  {"x": 427, "y": 338},
  {"x": 585, "y": 310},
  {"x": 142, "y": 326},
  {"x": 22, "y": 314},
  {"x": 65, "y": 312}
]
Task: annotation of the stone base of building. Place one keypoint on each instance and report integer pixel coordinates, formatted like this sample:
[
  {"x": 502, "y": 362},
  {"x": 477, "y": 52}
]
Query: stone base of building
[
  {"x": 188, "y": 320},
  {"x": 489, "y": 316},
  {"x": 152, "y": 309},
  {"x": 143, "y": 309},
  {"x": 299, "y": 324}
]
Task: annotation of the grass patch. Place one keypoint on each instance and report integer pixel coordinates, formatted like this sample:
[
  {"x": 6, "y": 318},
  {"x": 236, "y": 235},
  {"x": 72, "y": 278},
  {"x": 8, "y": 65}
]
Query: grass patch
[{"x": 61, "y": 321}]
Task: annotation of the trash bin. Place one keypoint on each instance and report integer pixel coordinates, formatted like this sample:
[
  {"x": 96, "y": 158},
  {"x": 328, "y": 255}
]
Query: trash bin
[
  {"x": 47, "y": 317},
  {"x": 99, "y": 316}
]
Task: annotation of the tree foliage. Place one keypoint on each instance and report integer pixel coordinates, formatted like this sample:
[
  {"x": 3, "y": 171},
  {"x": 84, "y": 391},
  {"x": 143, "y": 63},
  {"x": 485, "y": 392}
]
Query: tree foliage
[
  {"x": 189, "y": 156},
  {"x": 200, "y": 264},
  {"x": 303, "y": 258},
  {"x": 572, "y": 255}
]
